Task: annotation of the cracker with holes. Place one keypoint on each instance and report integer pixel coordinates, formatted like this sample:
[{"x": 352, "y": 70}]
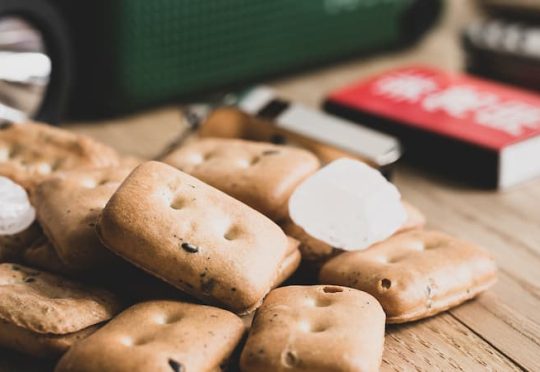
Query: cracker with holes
[
  {"x": 262, "y": 175},
  {"x": 31, "y": 152},
  {"x": 194, "y": 237},
  {"x": 159, "y": 336},
  {"x": 313, "y": 249},
  {"x": 68, "y": 207},
  {"x": 415, "y": 274},
  {"x": 315, "y": 328},
  {"x": 43, "y": 315}
]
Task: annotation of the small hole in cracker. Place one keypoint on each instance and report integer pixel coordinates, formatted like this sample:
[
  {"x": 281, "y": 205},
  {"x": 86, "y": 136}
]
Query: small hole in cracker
[
  {"x": 289, "y": 359},
  {"x": 178, "y": 203},
  {"x": 323, "y": 302},
  {"x": 176, "y": 366},
  {"x": 173, "y": 318},
  {"x": 386, "y": 283},
  {"x": 332, "y": 289},
  {"x": 318, "y": 328},
  {"x": 14, "y": 150},
  {"x": 254, "y": 161},
  {"x": 103, "y": 182},
  {"x": 143, "y": 341},
  {"x": 434, "y": 244},
  {"x": 56, "y": 165},
  {"x": 398, "y": 258},
  {"x": 232, "y": 233}
]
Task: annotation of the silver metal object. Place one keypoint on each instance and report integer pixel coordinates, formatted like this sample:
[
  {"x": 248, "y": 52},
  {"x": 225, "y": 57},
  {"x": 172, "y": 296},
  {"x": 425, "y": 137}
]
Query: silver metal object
[
  {"x": 25, "y": 69},
  {"x": 379, "y": 148}
]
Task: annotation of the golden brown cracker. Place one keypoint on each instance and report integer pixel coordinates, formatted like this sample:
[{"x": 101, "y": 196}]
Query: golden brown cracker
[
  {"x": 262, "y": 175},
  {"x": 415, "y": 274},
  {"x": 193, "y": 236}
]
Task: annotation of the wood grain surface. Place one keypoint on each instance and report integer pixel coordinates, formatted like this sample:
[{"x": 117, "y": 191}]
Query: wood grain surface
[{"x": 499, "y": 331}]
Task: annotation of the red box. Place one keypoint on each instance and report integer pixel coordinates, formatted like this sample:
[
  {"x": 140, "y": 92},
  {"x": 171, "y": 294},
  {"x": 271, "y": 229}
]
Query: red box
[{"x": 471, "y": 128}]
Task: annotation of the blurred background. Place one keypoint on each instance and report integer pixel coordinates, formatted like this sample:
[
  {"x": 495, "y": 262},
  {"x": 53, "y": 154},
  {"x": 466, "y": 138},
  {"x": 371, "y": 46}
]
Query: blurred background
[
  {"x": 65, "y": 59},
  {"x": 106, "y": 65}
]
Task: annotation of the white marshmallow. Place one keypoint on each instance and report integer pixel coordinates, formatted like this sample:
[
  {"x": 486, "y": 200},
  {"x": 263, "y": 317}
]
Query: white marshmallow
[
  {"x": 348, "y": 205},
  {"x": 16, "y": 212}
]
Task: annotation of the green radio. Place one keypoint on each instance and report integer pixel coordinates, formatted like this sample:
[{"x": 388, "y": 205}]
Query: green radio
[{"x": 129, "y": 54}]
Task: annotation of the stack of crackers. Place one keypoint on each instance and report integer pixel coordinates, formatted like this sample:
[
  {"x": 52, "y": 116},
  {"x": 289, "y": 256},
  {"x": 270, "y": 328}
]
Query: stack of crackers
[{"x": 160, "y": 266}]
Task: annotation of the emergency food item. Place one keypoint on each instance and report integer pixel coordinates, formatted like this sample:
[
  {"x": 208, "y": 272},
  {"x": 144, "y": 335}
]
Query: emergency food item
[
  {"x": 415, "y": 274},
  {"x": 194, "y": 237},
  {"x": 159, "y": 336},
  {"x": 68, "y": 207},
  {"x": 43, "y": 314},
  {"x": 262, "y": 175},
  {"x": 30, "y": 153},
  {"x": 316, "y": 329}
]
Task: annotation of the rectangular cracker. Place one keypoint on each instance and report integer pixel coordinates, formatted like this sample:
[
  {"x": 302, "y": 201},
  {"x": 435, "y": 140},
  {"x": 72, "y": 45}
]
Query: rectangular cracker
[
  {"x": 315, "y": 328},
  {"x": 262, "y": 175},
  {"x": 415, "y": 274},
  {"x": 193, "y": 236},
  {"x": 31, "y": 152},
  {"x": 42, "y": 313},
  {"x": 68, "y": 207},
  {"x": 158, "y": 336}
]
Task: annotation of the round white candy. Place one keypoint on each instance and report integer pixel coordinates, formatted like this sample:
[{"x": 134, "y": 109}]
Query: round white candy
[
  {"x": 16, "y": 212},
  {"x": 348, "y": 205}
]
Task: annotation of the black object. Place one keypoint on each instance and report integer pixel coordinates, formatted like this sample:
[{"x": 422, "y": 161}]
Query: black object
[
  {"x": 517, "y": 10},
  {"x": 455, "y": 159},
  {"x": 136, "y": 53},
  {"x": 504, "y": 50}
]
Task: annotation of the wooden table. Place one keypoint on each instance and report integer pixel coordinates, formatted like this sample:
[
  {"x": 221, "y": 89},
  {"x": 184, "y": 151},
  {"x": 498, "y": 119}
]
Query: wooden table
[{"x": 498, "y": 331}]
